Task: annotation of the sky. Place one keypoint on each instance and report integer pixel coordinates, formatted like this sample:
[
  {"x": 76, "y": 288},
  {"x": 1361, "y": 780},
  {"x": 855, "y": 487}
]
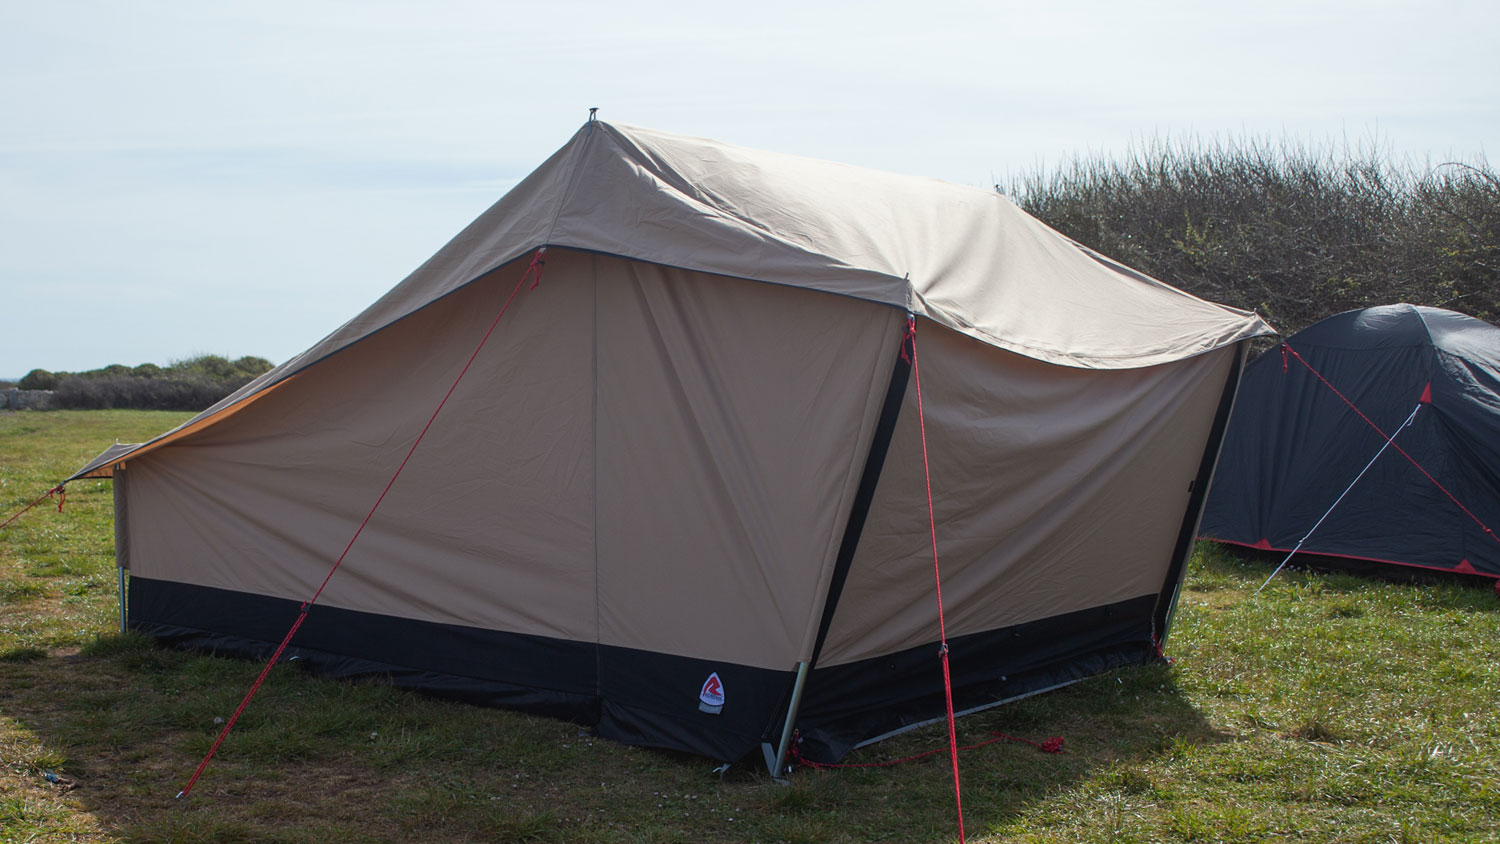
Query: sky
[{"x": 240, "y": 178}]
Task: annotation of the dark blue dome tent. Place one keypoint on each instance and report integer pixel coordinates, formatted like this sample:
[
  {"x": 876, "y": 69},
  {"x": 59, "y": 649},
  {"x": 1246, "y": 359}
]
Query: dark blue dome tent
[{"x": 1427, "y": 378}]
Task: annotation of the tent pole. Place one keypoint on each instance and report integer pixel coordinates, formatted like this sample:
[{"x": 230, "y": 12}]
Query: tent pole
[
  {"x": 1390, "y": 441},
  {"x": 879, "y": 444},
  {"x": 1166, "y": 602},
  {"x": 122, "y": 538},
  {"x": 778, "y": 766}
]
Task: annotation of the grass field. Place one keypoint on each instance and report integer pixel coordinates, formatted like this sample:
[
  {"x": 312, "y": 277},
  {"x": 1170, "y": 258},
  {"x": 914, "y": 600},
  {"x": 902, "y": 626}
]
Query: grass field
[{"x": 1328, "y": 709}]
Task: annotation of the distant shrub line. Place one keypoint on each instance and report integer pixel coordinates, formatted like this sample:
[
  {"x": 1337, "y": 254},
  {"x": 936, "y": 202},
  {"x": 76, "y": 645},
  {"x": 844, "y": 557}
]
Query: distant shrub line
[
  {"x": 1296, "y": 233},
  {"x": 192, "y": 384}
]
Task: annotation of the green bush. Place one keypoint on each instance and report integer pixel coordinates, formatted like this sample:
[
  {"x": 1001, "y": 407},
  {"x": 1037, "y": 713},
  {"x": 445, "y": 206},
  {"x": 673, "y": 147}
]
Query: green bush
[
  {"x": 131, "y": 392},
  {"x": 38, "y": 379},
  {"x": 191, "y": 384},
  {"x": 1297, "y": 233}
]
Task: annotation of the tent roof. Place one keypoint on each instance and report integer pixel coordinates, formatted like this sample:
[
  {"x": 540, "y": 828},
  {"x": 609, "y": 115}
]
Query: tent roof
[
  {"x": 1401, "y": 325},
  {"x": 964, "y": 257}
]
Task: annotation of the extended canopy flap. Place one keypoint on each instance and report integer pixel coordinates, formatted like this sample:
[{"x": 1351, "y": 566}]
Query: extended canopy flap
[{"x": 104, "y": 465}]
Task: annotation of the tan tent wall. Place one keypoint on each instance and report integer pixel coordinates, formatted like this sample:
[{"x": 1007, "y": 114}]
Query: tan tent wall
[
  {"x": 734, "y": 419},
  {"x": 1055, "y": 489},
  {"x": 265, "y": 501},
  {"x": 641, "y": 457}
]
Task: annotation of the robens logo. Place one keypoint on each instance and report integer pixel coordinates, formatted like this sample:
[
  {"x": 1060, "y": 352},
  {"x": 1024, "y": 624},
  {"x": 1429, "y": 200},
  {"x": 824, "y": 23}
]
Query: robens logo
[{"x": 711, "y": 697}]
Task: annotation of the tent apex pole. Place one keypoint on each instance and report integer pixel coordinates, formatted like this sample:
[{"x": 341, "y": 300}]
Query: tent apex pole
[{"x": 778, "y": 765}]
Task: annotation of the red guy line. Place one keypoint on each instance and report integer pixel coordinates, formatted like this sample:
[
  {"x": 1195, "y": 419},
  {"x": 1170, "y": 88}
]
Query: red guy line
[
  {"x": 536, "y": 267},
  {"x": 937, "y": 576},
  {"x": 1389, "y": 440}
]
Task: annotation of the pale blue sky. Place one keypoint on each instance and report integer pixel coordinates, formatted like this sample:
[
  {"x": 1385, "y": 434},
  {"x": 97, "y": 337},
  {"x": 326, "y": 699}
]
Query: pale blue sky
[{"x": 241, "y": 177}]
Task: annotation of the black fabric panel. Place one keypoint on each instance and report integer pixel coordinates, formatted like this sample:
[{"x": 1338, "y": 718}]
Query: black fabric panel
[
  {"x": 880, "y": 444},
  {"x": 1293, "y": 445},
  {"x": 652, "y": 699},
  {"x": 532, "y": 673},
  {"x": 629, "y": 695},
  {"x": 1167, "y": 602},
  {"x": 847, "y": 704}
]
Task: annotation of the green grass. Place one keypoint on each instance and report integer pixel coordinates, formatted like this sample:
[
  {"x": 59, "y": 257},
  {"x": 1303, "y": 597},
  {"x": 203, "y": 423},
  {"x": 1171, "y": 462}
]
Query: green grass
[{"x": 1328, "y": 709}]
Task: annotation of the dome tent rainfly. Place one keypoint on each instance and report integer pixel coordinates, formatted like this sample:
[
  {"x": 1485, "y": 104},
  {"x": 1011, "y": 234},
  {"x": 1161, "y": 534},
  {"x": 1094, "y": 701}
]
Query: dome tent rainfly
[
  {"x": 679, "y": 496},
  {"x": 1293, "y": 444}
]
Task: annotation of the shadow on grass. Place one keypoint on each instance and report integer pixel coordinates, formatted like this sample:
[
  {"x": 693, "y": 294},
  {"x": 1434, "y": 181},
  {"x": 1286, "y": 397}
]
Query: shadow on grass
[{"x": 123, "y": 724}]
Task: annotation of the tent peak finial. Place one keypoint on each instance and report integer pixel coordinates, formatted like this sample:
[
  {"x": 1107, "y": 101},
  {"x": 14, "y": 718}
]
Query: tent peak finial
[{"x": 594, "y": 114}]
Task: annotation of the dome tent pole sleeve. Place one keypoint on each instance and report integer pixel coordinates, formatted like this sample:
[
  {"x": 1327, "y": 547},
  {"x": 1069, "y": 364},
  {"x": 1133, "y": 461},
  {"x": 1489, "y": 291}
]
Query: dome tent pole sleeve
[
  {"x": 1390, "y": 441},
  {"x": 537, "y": 264},
  {"x": 937, "y": 576},
  {"x": 1399, "y": 449}
]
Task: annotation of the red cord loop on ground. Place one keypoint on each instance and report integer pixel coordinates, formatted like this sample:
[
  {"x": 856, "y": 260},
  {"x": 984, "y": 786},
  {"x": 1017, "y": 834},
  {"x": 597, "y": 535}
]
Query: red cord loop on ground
[
  {"x": 1051, "y": 745},
  {"x": 534, "y": 269}
]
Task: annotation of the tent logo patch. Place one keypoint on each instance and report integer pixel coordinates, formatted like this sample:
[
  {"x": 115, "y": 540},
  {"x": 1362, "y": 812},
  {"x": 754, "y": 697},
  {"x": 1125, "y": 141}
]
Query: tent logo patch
[{"x": 711, "y": 696}]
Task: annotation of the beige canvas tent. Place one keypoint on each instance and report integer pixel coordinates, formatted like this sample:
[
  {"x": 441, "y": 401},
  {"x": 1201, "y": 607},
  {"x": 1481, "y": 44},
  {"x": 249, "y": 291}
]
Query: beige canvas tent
[{"x": 679, "y": 494}]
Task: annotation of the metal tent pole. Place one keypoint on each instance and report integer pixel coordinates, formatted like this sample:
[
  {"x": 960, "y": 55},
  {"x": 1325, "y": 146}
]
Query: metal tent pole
[
  {"x": 777, "y": 765},
  {"x": 122, "y": 538}
]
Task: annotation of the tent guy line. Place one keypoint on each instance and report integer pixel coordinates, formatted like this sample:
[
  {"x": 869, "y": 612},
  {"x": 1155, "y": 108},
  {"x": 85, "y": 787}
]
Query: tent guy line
[
  {"x": 1387, "y": 444},
  {"x": 58, "y": 494},
  {"x": 1426, "y": 397},
  {"x": 537, "y": 264},
  {"x": 937, "y": 574}
]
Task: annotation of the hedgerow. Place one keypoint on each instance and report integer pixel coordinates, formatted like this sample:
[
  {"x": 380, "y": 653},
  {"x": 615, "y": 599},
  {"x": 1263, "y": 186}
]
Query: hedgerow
[
  {"x": 191, "y": 384},
  {"x": 1295, "y": 232}
]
